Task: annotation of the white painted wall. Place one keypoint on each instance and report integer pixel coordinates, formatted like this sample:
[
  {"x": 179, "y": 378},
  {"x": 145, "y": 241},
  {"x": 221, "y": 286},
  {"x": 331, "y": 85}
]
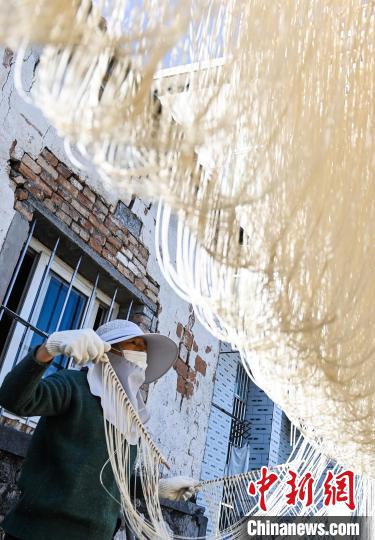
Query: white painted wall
[{"x": 178, "y": 425}]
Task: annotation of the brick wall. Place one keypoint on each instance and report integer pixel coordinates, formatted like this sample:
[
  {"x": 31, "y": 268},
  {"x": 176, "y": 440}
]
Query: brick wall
[
  {"x": 190, "y": 366},
  {"x": 89, "y": 216}
]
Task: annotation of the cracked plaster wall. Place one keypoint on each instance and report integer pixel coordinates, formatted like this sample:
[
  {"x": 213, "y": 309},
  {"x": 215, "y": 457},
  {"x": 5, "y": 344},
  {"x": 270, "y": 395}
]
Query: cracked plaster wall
[{"x": 179, "y": 422}]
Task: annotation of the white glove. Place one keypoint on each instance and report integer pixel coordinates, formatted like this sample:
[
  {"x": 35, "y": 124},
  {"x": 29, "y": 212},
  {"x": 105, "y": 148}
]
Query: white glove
[
  {"x": 178, "y": 488},
  {"x": 84, "y": 345}
]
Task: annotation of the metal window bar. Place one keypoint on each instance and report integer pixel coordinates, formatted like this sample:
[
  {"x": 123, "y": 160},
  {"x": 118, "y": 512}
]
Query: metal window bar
[
  {"x": 27, "y": 322},
  {"x": 240, "y": 427},
  {"x": 16, "y": 271},
  {"x": 110, "y": 311},
  {"x": 36, "y": 299},
  {"x": 88, "y": 310},
  {"x": 71, "y": 283},
  {"x": 90, "y": 303}
]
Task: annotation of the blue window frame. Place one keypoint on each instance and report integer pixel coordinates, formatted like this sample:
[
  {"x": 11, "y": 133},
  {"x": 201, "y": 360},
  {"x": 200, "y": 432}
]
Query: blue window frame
[{"x": 50, "y": 312}]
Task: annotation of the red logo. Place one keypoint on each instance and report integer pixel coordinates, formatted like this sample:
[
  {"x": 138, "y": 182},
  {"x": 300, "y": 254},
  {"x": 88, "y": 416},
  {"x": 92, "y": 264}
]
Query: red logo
[{"x": 336, "y": 488}]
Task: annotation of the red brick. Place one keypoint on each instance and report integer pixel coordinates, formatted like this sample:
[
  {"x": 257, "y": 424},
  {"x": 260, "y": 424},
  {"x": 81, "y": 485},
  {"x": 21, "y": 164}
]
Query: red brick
[
  {"x": 143, "y": 252},
  {"x": 136, "y": 271},
  {"x": 188, "y": 339},
  {"x": 189, "y": 389},
  {"x": 67, "y": 187},
  {"x": 192, "y": 375},
  {"x": 179, "y": 330},
  {"x": 151, "y": 286},
  {"x": 26, "y": 172},
  {"x": 115, "y": 242},
  {"x": 97, "y": 246},
  {"x": 142, "y": 320},
  {"x": 65, "y": 194},
  {"x": 47, "y": 167},
  {"x": 64, "y": 217},
  {"x": 109, "y": 256},
  {"x": 31, "y": 164},
  {"x": 113, "y": 251},
  {"x": 151, "y": 296},
  {"x": 21, "y": 194},
  {"x": 99, "y": 226},
  {"x": 143, "y": 263},
  {"x": 19, "y": 180},
  {"x": 99, "y": 215},
  {"x": 200, "y": 365},
  {"x": 76, "y": 228},
  {"x": 133, "y": 241},
  {"x": 76, "y": 183},
  {"x": 86, "y": 225},
  {"x": 195, "y": 346},
  {"x": 57, "y": 199},
  {"x": 67, "y": 208},
  {"x": 81, "y": 232},
  {"x": 44, "y": 187},
  {"x": 114, "y": 225},
  {"x": 140, "y": 266},
  {"x": 181, "y": 385},
  {"x": 99, "y": 238},
  {"x": 89, "y": 194},
  {"x": 49, "y": 180},
  {"x": 155, "y": 283},
  {"x": 139, "y": 284},
  {"x": 122, "y": 234},
  {"x": 63, "y": 170},
  {"x": 82, "y": 199},
  {"x": 101, "y": 207},
  {"x": 126, "y": 272},
  {"x": 49, "y": 157},
  {"x": 181, "y": 368},
  {"x": 81, "y": 209},
  {"x": 36, "y": 192},
  {"x": 128, "y": 254},
  {"x": 49, "y": 204}
]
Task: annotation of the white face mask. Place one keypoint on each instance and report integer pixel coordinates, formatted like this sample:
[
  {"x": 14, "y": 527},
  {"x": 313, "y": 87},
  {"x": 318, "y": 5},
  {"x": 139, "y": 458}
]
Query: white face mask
[
  {"x": 130, "y": 368},
  {"x": 139, "y": 358}
]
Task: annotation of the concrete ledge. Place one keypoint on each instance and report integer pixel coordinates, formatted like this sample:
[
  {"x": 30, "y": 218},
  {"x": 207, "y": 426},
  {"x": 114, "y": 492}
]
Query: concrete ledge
[
  {"x": 14, "y": 441},
  {"x": 183, "y": 518},
  {"x": 185, "y": 507}
]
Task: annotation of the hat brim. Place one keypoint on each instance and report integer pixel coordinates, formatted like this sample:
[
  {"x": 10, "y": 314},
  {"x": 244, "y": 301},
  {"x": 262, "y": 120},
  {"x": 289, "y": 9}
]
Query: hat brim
[{"x": 162, "y": 353}]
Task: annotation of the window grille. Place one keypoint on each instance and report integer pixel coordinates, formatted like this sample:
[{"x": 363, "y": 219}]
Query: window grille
[
  {"x": 240, "y": 428},
  {"x": 43, "y": 297}
]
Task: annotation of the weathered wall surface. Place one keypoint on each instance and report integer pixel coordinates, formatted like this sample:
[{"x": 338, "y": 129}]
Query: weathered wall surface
[
  {"x": 10, "y": 466},
  {"x": 29, "y": 145}
]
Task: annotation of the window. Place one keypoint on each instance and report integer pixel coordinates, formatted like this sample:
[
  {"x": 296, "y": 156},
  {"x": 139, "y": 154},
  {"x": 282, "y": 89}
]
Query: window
[
  {"x": 52, "y": 311},
  {"x": 48, "y": 295},
  {"x": 240, "y": 427}
]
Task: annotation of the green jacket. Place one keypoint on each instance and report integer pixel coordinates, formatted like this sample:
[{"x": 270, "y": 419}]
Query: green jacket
[{"x": 62, "y": 497}]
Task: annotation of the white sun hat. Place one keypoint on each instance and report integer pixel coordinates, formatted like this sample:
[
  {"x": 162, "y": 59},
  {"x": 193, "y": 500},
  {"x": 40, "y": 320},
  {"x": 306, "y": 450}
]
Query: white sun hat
[{"x": 161, "y": 350}]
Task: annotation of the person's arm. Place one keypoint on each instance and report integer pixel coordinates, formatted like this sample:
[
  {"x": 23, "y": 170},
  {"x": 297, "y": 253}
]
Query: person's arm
[{"x": 25, "y": 393}]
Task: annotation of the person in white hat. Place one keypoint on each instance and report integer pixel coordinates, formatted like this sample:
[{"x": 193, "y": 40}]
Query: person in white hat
[{"x": 61, "y": 492}]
